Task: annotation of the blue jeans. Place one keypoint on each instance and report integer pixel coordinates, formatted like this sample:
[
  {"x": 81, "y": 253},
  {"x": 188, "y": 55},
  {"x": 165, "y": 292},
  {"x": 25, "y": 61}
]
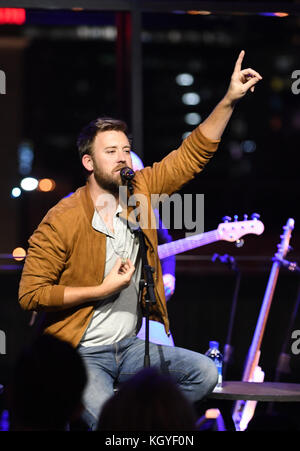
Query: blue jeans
[{"x": 195, "y": 373}]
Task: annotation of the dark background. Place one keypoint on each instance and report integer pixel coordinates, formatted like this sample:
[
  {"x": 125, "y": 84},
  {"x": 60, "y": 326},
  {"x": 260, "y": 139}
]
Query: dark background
[{"x": 67, "y": 75}]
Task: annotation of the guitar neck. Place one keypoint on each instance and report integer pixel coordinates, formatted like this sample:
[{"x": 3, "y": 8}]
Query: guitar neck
[
  {"x": 254, "y": 349},
  {"x": 267, "y": 301},
  {"x": 186, "y": 244}
]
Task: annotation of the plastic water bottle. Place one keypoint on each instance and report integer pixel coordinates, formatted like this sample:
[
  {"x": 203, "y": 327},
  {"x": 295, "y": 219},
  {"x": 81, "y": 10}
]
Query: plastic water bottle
[{"x": 214, "y": 353}]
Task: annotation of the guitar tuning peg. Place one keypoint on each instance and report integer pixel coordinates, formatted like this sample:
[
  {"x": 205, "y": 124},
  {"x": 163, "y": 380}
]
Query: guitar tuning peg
[
  {"x": 245, "y": 217},
  {"x": 226, "y": 219},
  {"x": 255, "y": 216},
  {"x": 236, "y": 218},
  {"x": 239, "y": 243}
]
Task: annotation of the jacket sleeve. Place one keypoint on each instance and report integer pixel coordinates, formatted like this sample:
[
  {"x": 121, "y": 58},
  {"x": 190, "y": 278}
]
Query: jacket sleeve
[
  {"x": 181, "y": 165},
  {"x": 45, "y": 261}
]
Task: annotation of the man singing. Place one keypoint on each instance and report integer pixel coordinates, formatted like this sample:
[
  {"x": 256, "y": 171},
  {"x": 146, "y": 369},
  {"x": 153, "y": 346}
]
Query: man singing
[{"x": 83, "y": 265}]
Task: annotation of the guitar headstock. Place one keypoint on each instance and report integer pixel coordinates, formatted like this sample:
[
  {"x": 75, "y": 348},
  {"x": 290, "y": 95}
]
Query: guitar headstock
[
  {"x": 233, "y": 230},
  {"x": 283, "y": 246}
]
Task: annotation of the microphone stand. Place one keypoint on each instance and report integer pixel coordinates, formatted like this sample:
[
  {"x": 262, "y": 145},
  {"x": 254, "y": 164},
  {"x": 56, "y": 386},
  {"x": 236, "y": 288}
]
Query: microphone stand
[
  {"x": 145, "y": 282},
  {"x": 228, "y": 349}
]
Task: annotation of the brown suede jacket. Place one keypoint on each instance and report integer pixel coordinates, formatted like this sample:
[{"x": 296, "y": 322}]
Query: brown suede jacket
[{"x": 65, "y": 250}]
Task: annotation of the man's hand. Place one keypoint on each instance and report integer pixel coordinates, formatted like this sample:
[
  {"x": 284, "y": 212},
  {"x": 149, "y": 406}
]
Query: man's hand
[
  {"x": 169, "y": 284},
  {"x": 118, "y": 278},
  {"x": 242, "y": 80}
]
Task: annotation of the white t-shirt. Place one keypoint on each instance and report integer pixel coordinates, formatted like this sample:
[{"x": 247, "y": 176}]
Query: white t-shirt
[{"x": 118, "y": 316}]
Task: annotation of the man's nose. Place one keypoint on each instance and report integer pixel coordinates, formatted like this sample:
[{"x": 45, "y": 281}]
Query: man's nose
[{"x": 121, "y": 157}]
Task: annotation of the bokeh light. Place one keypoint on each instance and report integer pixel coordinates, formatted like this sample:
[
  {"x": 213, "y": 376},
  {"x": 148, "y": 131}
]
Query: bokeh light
[
  {"x": 16, "y": 192},
  {"x": 19, "y": 254},
  {"x": 29, "y": 183},
  {"x": 46, "y": 185}
]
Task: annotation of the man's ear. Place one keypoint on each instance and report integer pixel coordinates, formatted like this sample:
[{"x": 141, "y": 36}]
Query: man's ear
[{"x": 87, "y": 162}]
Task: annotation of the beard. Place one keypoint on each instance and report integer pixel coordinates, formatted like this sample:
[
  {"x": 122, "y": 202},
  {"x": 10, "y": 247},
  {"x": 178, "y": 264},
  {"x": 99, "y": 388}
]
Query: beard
[{"x": 107, "y": 182}]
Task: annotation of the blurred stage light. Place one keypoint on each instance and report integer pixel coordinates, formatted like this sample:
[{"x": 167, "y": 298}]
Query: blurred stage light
[
  {"x": 278, "y": 14},
  {"x": 281, "y": 14},
  {"x": 29, "y": 184},
  {"x": 192, "y": 118},
  {"x": 201, "y": 13},
  {"x": 25, "y": 156},
  {"x": 185, "y": 135},
  {"x": 284, "y": 63},
  {"x": 46, "y": 185},
  {"x": 277, "y": 84},
  {"x": 12, "y": 16},
  {"x": 174, "y": 36},
  {"x": 275, "y": 123},
  {"x": 185, "y": 79},
  {"x": 68, "y": 195},
  {"x": 235, "y": 150},
  {"x": 248, "y": 146},
  {"x": 108, "y": 33},
  {"x": 19, "y": 254},
  {"x": 16, "y": 192},
  {"x": 191, "y": 98}
]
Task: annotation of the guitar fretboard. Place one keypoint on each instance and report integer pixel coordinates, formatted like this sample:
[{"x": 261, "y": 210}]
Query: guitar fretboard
[{"x": 186, "y": 244}]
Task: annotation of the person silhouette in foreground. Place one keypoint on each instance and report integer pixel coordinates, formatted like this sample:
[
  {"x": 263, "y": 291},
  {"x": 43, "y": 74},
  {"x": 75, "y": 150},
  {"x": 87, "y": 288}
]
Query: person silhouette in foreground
[
  {"x": 148, "y": 401},
  {"x": 46, "y": 386}
]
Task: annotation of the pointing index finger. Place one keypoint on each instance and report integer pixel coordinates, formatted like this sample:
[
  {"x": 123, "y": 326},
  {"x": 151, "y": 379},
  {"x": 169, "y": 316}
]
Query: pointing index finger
[{"x": 238, "y": 63}]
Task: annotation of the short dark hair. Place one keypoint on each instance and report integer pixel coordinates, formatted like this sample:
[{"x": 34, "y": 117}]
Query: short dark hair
[{"x": 87, "y": 135}]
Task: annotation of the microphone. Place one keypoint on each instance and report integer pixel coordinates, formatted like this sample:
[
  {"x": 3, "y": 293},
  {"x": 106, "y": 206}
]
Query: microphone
[{"x": 127, "y": 174}]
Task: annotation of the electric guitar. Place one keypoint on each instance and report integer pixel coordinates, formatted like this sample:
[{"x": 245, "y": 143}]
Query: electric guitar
[{"x": 226, "y": 231}]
